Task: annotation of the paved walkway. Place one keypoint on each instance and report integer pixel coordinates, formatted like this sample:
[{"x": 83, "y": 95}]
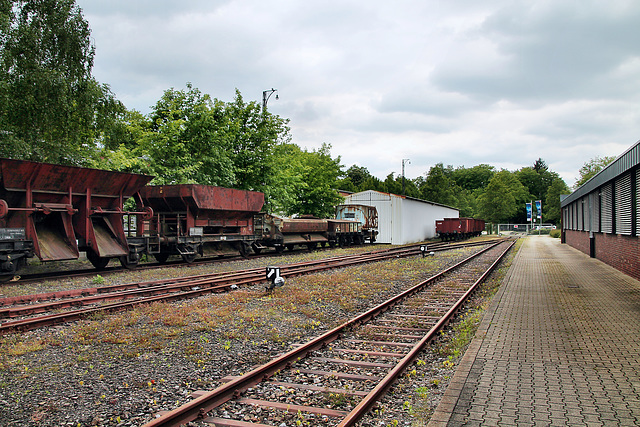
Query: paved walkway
[{"x": 559, "y": 345}]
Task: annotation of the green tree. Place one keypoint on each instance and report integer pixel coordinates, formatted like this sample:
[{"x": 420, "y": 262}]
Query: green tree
[
  {"x": 537, "y": 178},
  {"x": 51, "y": 108},
  {"x": 191, "y": 138},
  {"x": 309, "y": 181},
  {"x": 503, "y": 199},
  {"x": 439, "y": 186},
  {"x": 354, "y": 179},
  {"x": 551, "y": 212},
  {"x": 474, "y": 178},
  {"x": 253, "y": 135},
  {"x": 591, "y": 168}
]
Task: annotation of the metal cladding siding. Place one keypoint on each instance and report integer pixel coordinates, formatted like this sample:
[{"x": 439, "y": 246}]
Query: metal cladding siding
[
  {"x": 623, "y": 205},
  {"x": 419, "y": 219},
  {"x": 400, "y": 219}
]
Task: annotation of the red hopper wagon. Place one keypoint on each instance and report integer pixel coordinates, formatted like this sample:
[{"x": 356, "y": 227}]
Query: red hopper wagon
[
  {"x": 192, "y": 219},
  {"x": 55, "y": 212}
]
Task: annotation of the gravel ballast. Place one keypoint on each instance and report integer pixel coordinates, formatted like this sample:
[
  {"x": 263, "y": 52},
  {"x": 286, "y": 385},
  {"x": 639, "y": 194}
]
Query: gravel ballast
[{"x": 121, "y": 369}]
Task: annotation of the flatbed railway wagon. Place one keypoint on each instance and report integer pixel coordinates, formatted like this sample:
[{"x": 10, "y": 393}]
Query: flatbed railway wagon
[
  {"x": 56, "y": 212},
  {"x": 280, "y": 233},
  {"x": 191, "y": 220}
]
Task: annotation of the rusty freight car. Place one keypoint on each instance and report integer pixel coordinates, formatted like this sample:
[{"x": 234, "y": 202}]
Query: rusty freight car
[
  {"x": 458, "y": 228},
  {"x": 55, "y": 212},
  {"x": 191, "y": 220}
]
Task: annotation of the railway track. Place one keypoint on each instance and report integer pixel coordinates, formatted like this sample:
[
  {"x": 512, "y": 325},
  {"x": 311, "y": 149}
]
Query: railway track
[
  {"x": 336, "y": 378},
  {"x": 89, "y": 272},
  {"x": 25, "y": 312}
]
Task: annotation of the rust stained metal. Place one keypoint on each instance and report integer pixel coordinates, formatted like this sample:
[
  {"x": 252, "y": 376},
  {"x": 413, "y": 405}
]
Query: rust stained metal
[
  {"x": 201, "y": 198},
  {"x": 58, "y": 205},
  {"x": 218, "y": 210},
  {"x": 300, "y": 225},
  {"x": 366, "y": 215}
]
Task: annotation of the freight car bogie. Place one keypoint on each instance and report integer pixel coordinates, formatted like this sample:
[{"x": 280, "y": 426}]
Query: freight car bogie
[{"x": 13, "y": 253}]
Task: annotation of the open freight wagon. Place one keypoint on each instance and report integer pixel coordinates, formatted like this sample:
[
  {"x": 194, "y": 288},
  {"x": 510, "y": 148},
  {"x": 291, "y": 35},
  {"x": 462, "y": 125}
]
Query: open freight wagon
[{"x": 459, "y": 228}]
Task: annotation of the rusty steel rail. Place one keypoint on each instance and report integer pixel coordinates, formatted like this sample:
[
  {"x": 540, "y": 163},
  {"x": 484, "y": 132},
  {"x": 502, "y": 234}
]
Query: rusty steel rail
[
  {"x": 173, "y": 290},
  {"x": 86, "y": 292},
  {"x": 85, "y": 272},
  {"x": 207, "y": 401}
]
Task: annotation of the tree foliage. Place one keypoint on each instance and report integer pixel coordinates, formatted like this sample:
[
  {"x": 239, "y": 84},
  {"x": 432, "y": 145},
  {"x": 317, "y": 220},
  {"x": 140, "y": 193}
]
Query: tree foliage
[
  {"x": 51, "y": 108},
  {"x": 591, "y": 168},
  {"x": 309, "y": 179},
  {"x": 503, "y": 198}
]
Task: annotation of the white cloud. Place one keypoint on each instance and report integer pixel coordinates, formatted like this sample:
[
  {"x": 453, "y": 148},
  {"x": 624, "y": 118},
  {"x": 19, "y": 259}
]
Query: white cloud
[{"x": 502, "y": 82}]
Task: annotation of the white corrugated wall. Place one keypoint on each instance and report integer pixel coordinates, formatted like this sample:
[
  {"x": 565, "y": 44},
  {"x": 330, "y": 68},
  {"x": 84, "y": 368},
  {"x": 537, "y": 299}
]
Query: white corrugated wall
[{"x": 402, "y": 220}]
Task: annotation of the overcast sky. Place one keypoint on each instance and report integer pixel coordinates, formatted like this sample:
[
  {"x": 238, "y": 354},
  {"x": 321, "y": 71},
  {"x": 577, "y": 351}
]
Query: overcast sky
[{"x": 461, "y": 82}]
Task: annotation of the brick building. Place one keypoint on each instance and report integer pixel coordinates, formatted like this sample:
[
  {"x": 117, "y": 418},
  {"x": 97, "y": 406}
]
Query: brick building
[{"x": 602, "y": 217}]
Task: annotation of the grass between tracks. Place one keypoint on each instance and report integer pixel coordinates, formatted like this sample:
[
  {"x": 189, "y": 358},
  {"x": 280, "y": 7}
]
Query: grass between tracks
[
  {"x": 304, "y": 304},
  {"x": 197, "y": 333}
]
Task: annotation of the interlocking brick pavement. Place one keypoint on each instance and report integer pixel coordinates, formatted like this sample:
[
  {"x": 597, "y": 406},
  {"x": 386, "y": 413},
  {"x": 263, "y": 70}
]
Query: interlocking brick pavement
[{"x": 559, "y": 345}]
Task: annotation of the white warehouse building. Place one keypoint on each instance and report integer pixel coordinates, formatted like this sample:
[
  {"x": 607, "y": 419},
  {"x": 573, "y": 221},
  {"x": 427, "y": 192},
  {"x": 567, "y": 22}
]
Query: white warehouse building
[{"x": 402, "y": 219}]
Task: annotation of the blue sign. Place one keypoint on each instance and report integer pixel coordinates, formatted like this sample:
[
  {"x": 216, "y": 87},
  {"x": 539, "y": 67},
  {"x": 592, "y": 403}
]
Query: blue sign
[
  {"x": 528, "y": 211},
  {"x": 539, "y": 208}
]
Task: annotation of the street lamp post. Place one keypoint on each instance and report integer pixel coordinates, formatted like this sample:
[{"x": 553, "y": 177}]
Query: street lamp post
[
  {"x": 403, "y": 183},
  {"x": 266, "y": 94}
]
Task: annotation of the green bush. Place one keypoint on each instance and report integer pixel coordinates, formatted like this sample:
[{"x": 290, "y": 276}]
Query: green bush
[{"x": 555, "y": 233}]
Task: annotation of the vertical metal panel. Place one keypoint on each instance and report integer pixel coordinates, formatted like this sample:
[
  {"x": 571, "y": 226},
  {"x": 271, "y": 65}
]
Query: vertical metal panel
[
  {"x": 580, "y": 214},
  {"x": 382, "y": 202},
  {"x": 637, "y": 202},
  {"x": 595, "y": 211},
  {"x": 606, "y": 217},
  {"x": 587, "y": 212},
  {"x": 623, "y": 207},
  {"x": 419, "y": 219}
]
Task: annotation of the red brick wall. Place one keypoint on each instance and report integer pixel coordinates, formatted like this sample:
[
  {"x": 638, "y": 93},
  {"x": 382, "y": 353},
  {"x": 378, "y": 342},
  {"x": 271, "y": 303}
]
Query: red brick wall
[
  {"x": 578, "y": 240},
  {"x": 620, "y": 252}
]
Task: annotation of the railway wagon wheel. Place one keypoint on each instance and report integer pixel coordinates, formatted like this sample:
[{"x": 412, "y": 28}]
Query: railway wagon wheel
[
  {"x": 96, "y": 260},
  {"x": 189, "y": 258},
  {"x": 244, "y": 249},
  {"x": 7, "y": 270},
  {"x": 130, "y": 262},
  {"x": 161, "y": 257}
]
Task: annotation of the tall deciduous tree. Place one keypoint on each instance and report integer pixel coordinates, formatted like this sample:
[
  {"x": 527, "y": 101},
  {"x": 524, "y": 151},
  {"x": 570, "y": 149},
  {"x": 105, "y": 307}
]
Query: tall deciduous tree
[
  {"x": 439, "y": 186},
  {"x": 503, "y": 199},
  {"x": 308, "y": 180},
  {"x": 551, "y": 212},
  {"x": 591, "y": 168},
  {"x": 51, "y": 108}
]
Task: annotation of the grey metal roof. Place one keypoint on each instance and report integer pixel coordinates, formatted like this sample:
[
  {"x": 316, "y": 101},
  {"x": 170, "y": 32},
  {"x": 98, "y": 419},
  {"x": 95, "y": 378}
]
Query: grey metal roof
[{"x": 624, "y": 162}]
